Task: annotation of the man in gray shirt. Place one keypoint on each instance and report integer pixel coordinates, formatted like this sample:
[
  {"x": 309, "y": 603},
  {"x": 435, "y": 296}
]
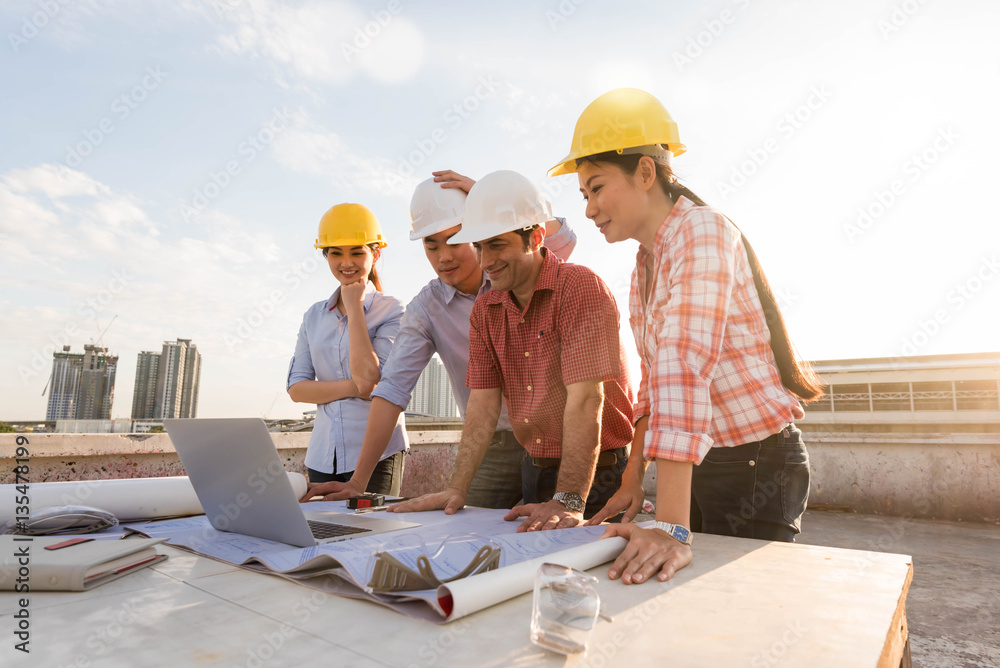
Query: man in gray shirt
[{"x": 437, "y": 320}]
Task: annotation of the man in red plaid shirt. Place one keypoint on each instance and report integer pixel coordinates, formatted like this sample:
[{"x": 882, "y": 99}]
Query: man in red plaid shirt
[{"x": 545, "y": 338}]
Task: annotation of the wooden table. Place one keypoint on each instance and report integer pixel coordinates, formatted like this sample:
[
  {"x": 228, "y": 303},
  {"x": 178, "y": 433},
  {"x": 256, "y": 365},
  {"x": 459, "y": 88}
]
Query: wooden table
[{"x": 740, "y": 603}]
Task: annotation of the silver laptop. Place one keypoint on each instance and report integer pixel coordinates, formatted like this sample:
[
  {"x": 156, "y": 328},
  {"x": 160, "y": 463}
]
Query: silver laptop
[{"x": 242, "y": 485}]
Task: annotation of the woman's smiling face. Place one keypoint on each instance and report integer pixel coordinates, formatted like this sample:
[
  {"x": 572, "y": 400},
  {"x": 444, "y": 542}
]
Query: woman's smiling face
[
  {"x": 349, "y": 264},
  {"x": 615, "y": 202}
]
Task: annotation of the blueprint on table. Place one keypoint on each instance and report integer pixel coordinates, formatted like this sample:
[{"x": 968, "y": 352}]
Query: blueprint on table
[{"x": 349, "y": 561}]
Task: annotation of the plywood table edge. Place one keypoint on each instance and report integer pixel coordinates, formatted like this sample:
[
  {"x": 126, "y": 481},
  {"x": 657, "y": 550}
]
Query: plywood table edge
[{"x": 898, "y": 636}]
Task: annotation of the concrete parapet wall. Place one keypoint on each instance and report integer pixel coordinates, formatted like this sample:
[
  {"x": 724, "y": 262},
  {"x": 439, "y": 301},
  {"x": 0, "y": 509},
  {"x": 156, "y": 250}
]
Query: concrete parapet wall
[
  {"x": 65, "y": 457},
  {"x": 934, "y": 476},
  {"x": 928, "y": 476}
]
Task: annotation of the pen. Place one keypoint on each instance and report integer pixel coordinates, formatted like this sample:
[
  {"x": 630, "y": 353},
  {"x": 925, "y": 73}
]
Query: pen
[{"x": 361, "y": 511}]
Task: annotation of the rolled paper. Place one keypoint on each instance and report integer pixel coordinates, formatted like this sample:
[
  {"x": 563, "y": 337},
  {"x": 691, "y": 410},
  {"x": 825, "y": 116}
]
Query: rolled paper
[{"x": 464, "y": 597}]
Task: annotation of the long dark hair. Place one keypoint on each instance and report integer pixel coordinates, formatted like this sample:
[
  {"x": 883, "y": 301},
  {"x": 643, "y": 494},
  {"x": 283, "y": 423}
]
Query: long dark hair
[{"x": 796, "y": 375}]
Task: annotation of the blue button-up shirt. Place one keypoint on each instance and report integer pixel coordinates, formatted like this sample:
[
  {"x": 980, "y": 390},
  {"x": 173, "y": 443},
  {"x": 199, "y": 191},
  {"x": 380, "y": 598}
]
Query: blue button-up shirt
[
  {"x": 322, "y": 352},
  {"x": 437, "y": 320}
]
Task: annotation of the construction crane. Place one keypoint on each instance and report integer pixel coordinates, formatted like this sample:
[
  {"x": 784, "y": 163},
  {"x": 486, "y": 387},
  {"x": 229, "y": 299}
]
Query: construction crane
[{"x": 100, "y": 338}]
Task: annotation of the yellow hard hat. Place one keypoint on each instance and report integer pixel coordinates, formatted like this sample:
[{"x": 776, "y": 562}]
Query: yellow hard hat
[
  {"x": 620, "y": 119},
  {"x": 349, "y": 225}
]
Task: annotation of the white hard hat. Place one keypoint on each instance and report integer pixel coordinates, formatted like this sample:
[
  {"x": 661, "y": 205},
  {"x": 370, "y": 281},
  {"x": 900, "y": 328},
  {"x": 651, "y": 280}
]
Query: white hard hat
[
  {"x": 502, "y": 202},
  {"x": 434, "y": 208}
]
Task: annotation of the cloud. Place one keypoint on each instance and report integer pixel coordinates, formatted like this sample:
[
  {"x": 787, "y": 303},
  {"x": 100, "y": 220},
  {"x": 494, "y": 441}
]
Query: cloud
[
  {"x": 327, "y": 42},
  {"x": 308, "y": 147},
  {"x": 52, "y": 212}
]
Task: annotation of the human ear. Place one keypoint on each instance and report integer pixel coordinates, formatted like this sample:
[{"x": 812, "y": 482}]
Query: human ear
[{"x": 646, "y": 172}]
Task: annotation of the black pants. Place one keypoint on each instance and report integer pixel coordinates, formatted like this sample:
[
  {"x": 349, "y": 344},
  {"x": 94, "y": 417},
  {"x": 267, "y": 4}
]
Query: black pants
[
  {"x": 754, "y": 490},
  {"x": 387, "y": 478},
  {"x": 539, "y": 484}
]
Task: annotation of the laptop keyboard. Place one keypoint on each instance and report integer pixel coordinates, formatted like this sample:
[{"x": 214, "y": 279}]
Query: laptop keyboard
[{"x": 328, "y": 530}]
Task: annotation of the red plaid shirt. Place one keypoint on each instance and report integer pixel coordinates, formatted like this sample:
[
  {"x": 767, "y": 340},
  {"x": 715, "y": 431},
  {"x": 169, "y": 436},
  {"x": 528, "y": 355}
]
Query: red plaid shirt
[
  {"x": 567, "y": 333},
  {"x": 708, "y": 374}
]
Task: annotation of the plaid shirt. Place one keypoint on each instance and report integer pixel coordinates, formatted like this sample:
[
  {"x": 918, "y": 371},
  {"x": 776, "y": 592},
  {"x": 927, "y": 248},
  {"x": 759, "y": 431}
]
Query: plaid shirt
[
  {"x": 708, "y": 374},
  {"x": 567, "y": 333}
]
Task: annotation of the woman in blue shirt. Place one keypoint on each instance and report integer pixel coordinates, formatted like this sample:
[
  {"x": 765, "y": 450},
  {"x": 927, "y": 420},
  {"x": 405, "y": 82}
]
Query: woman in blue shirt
[{"x": 343, "y": 343}]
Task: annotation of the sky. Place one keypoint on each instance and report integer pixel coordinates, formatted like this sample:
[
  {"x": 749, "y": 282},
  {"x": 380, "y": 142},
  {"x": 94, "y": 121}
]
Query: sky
[{"x": 164, "y": 165}]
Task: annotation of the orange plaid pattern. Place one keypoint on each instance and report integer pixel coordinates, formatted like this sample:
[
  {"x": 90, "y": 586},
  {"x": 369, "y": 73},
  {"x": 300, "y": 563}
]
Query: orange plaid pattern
[{"x": 709, "y": 377}]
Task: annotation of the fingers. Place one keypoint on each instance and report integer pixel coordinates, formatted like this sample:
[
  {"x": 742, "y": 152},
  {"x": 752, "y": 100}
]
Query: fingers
[
  {"x": 624, "y": 559},
  {"x": 447, "y": 501},
  {"x": 454, "y": 504},
  {"x": 610, "y": 509},
  {"x": 617, "y": 530},
  {"x": 518, "y": 511},
  {"x": 646, "y": 555},
  {"x": 411, "y": 506},
  {"x": 317, "y": 489},
  {"x": 632, "y": 510},
  {"x": 339, "y": 495},
  {"x": 449, "y": 178}
]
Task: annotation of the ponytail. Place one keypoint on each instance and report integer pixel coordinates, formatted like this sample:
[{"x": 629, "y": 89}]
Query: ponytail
[
  {"x": 373, "y": 274},
  {"x": 796, "y": 376}
]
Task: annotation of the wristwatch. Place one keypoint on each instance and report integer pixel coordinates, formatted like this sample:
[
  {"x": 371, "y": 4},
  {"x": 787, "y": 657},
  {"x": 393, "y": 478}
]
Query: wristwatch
[
  {"x": 571, "y": 500},
  {"x": 675, "y": 531}
]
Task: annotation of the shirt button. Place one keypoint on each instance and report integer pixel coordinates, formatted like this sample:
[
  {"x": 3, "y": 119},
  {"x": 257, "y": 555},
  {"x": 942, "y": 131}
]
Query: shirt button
[
  {"x": 538, "y": 440},
  {"x": 529, "y": 388},
  {"x": 753, "y": 463},
  {"x": 527, "y": 354},
  {"x": 525, "y": 420},
  {"x": 522, "y": 321}
]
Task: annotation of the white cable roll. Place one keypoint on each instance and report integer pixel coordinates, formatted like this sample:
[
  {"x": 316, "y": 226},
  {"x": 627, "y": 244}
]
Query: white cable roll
[{"x": 128, "y": 499}]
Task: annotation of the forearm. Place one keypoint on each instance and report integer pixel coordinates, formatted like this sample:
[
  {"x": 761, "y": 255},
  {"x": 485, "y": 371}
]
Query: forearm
[
  {"x": 480, "y": 424},
  {"x": 323, "y": 391},
  {"x": 673, "y": 492},
  {"x": 365, "y": 371},
  {"x": 581, "y": 443},
  {"x": 636, "y": 467},
  {"x": 381, "y": 423}
]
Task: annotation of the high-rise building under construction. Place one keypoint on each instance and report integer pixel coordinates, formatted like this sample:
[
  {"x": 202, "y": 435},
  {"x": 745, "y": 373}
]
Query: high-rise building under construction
[
  {"x": 82, "y": 386},
  {"x": 167, "y": 382}
]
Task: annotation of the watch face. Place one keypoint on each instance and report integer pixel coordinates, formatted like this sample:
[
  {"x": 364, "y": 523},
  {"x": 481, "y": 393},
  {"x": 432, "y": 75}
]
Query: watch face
[
  {"x": 571, "y": 500},
  {"x": 681, "y": 534}
]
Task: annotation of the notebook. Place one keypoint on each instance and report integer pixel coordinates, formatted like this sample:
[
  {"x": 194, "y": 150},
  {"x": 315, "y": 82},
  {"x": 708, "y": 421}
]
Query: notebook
[
  {"x": 84, "y": 563},
  {"x": 242, "y": 485}
]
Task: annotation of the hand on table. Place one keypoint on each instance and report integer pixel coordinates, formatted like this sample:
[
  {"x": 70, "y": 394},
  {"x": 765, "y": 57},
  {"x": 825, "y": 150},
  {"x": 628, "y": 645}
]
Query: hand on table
[
  {"x": 451, "y": 499},
  {"x": 648, "y": 551},
  {"x": 628, "y": 498},
  {"x": 451, "y": 179},
  {"x": 332, "y": 491},
  {"x": 544, "y": 516}
]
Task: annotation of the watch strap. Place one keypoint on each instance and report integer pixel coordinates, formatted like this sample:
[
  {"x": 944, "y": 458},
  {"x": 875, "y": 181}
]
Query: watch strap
[{"x": 678, "y": 532}]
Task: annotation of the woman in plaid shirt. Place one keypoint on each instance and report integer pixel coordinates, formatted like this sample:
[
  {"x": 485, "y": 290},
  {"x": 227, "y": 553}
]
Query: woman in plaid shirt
[{"x": 720, "y": 381}]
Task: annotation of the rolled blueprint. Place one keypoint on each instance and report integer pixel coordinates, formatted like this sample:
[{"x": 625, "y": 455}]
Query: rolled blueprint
[
  {"x": 464, "y": 597},
  {"x": 128, "y": 499}
]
